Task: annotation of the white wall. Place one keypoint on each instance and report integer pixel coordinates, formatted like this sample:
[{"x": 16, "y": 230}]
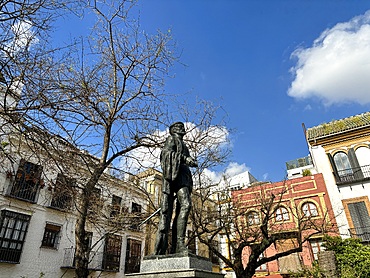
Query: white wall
[{"x": 322, "y": 164}]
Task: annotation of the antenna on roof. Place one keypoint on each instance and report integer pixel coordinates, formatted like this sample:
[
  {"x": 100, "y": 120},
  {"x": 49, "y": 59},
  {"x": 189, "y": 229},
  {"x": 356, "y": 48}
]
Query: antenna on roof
[{"x": 304, "y": 130}]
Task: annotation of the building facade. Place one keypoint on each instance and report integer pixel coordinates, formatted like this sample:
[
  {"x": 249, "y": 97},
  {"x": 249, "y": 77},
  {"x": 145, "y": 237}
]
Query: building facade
[
  {"x": 37, "y": 223},
  {"x": 340, "y": 150},
  {"x": 300, "y": 208}
]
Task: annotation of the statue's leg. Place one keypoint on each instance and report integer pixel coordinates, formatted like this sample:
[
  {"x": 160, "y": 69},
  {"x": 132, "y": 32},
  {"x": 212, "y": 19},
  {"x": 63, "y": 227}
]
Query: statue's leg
[
  {"x": 161, "y": 243},
  {"x": 174, "y": 228},
  {"x": 184, "y": 202}
]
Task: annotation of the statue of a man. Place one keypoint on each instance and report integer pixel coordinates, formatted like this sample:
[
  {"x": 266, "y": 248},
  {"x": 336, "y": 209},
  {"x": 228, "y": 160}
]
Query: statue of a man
[{"x": 177, "y": 184}]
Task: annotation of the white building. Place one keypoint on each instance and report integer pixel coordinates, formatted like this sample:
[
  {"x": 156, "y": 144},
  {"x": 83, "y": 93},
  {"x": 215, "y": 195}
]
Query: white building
[
  {"x": 38, "y": 217},
  {"x": 300, "y": 167},
  {"x": 238, "y": 181},
  {"x": 340, "y": 150}
]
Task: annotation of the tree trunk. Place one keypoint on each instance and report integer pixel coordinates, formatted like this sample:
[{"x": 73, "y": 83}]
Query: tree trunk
[
  {"x": 82, "y": 244},
  {"x": 82, "y": 248}
]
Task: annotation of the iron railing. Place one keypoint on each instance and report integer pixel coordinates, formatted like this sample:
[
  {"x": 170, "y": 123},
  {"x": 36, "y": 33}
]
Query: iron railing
[
  {"x": 362, "y": 233},
  {"x": 299, "y": 162},
  {"x": 10, "y": 255},
  {"x": 354, "y": 174}
]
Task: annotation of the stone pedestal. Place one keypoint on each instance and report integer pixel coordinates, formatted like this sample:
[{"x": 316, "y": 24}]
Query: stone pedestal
[{"x": 175, "y": 265}]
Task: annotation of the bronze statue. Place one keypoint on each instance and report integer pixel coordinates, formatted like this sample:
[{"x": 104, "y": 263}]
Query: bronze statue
[{"x": 177, "y": 184}]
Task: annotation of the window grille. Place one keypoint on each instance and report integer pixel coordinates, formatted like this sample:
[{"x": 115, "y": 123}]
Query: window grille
[
  {"x": 112, "y": 252},
  {"x": 63, "y": 192},
  {"x": 133, "y": 256},
  {"x": 27, "y": 181},
  {"x": 13, "y": 230}
]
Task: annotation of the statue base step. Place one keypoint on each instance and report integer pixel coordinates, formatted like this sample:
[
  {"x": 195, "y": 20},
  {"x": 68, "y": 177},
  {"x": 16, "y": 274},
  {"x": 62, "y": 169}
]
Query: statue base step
[{"x": 175, "y": 265}]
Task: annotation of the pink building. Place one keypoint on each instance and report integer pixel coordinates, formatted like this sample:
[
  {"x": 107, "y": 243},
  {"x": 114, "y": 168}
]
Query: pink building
[{"x": 300, "y": 209}]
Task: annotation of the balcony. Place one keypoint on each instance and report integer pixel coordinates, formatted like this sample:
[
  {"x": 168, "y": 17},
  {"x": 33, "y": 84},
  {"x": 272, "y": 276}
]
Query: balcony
[
  {"x": 362, "y": 233},
  {"x": 352, "y": 175},
  {"x": 299, "y": 162}
]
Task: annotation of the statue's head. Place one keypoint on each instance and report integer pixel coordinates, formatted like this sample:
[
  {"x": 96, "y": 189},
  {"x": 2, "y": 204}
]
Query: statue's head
[{"x": 177, "y": 128}]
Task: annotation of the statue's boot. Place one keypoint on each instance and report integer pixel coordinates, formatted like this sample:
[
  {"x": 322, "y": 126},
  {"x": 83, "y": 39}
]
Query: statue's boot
[
  {"x": 180, "y": 244},
  {"x": 181, "y": 247},
  {"x": 161, "y": 244}
]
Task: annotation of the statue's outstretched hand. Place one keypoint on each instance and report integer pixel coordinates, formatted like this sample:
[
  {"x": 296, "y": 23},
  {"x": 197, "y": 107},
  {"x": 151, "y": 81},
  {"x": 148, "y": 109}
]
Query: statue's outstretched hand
[{"x": 191, "y": 162}]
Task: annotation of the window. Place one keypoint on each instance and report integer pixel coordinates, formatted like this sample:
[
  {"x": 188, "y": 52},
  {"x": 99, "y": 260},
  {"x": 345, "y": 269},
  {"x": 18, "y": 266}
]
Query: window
[
  {"x": 112, "y": 252},
  {"x": 51, "y": 236},
  {"x": 27, "y": 181},
  {"x": 363, "y": 157},
  {"x": 116, "y": 206},
  {"x": 262, "y": 267},
  {"x": 342, "y": 163},
  {"x": 89, "y": 237},
  {"x": 281, "y": 214},
  {"x": 360, "y": 219},
  {"x": 135, "y": 208},
  {"x": 253, "y": 218},
  {"x": 13, "y": 230},
  {"x": 63, "y": 192},
  {"x": 136, "y": 219},
  {"x": 316, "y": 247},
  {"x": 133, "y": 256},
  {"x": 309, "y": 209}
]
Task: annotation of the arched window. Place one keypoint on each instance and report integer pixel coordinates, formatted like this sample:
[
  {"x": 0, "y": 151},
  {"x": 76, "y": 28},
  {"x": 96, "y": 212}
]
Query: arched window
[
  {"x": 342, "y": 163},
  {"x": 363, "y": 157},
  {"x": 253, "y": 218},
  {"x": 309, "y": 209},
  {"x": 281, "y": 214}
]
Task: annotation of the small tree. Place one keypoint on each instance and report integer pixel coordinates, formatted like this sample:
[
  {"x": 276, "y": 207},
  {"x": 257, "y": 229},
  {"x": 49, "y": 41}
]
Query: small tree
[
  {"x": 353, "y": 258},
  {"x": 251, "y": 221}
]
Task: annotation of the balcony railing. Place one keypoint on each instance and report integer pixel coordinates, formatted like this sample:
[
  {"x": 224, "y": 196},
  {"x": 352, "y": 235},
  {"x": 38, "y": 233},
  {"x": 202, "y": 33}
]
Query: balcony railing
[
  {"x": 299, "y": 162},
  {"x": 353, "y": 174},
  {"x": 10, "y": 255},
  {"x": 362, "y": 233}
]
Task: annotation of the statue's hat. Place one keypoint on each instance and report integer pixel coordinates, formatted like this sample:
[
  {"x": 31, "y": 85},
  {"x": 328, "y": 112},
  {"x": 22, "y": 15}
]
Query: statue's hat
[{"x": 176, "y": 124}]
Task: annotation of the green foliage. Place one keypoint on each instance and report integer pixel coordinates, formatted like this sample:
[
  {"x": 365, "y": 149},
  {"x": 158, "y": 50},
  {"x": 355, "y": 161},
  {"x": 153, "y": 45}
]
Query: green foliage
[
  {"x": 353, "y": 258},
  {"x": 306, "y": 173},
  {"x": 309, "y": 272}
]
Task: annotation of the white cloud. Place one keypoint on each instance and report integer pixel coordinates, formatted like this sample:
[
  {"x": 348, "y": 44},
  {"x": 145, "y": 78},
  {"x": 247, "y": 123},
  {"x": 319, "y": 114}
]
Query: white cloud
[
  {"x": 336, "y": 67},
  {"x": 23, "y": 38},
  {"x": 231, "y": 170},
  {"x": 234, "y": 169}
]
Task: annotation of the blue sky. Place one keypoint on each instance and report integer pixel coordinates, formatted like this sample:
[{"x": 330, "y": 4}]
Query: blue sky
[
  {"x": 273, "y": 65},
  {"x": 248, "y": 55}
]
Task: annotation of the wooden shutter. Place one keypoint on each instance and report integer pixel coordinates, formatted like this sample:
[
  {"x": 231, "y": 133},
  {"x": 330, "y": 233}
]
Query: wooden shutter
[{"x": 355, "y": 165}]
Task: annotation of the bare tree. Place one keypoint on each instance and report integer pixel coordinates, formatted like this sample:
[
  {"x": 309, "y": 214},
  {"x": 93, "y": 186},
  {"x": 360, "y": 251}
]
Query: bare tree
[
  {"x": 249, "y": 221},
  {"x": 85, "y": 108}
]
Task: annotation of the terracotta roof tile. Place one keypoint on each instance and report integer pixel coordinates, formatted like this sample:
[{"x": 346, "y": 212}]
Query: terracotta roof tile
[{"x": 338, "y": 126}]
